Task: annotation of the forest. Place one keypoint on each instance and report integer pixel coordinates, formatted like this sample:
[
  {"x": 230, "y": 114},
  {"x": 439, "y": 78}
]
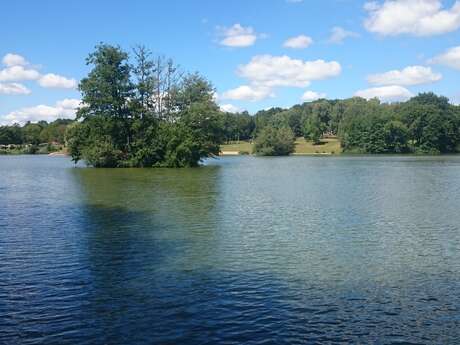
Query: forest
[
  {"x": 140, "y": 110},
  {"x": 425, "y": 124},
  {"x": 40, "y": 137}
]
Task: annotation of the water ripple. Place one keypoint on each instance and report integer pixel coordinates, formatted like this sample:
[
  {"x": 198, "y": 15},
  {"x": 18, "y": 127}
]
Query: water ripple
[{"x": 361, "y": 250}]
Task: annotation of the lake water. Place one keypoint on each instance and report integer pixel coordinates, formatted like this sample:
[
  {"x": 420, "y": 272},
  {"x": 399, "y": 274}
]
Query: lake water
[{"x": 245, "y": 250}]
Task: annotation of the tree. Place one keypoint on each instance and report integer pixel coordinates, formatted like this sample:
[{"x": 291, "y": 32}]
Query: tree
[
  {"x": 145, "y": 83},
  {"x": 11, "y": 135},
  {"x": 32, "y": 133},
  {"x": 321, "y": 109},
  {"x": 275, "y": 142},
  {"x": 313, "y": 129},
  {"x": 106, "y": 93},
  {"x": 433, "y": 123},
  {"x": 143, "y": 114},
  {"x": 396, "y": 137}
]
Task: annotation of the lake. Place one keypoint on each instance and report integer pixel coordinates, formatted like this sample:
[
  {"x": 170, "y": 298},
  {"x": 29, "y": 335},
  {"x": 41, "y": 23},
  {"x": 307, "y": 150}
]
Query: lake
[{"x": 244, "y": 250}]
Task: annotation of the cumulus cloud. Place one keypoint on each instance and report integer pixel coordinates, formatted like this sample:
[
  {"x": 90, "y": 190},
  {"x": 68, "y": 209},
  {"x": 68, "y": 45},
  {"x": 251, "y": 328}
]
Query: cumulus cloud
[
  {"x": 230, "y": 108},
  {"x": 18, "y": 73},
  {"x": 310, "y": 96},
  {"x": 338, "y": 35},
  {"x": 413, "y": 17},
  {"x": 450, "y": 58},
  {"x": 248, "y": 93},
  {"x": 237, "y": 36},
  {"x": 411, "y": 75},
  {"x": 273, "y": 71},
  {"x": 51, "y": 80},
  {"x": 16, "y": 70},
  {"x": 14, "y": 60},
  {"x": 393, "y": 93},
  {"x": 266, "y": 72},
  {"x": 13, "y": 89},
  {"x": 298, "y": 42},
  {"x": 65, "y": 108}
]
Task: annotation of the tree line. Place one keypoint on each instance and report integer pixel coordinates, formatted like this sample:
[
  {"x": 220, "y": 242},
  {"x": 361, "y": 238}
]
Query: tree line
[
  {"x": 425, "y": 124},
  {"x": 34, "y": 133},
  {"x": 140, "y": 110},
  {"x": 41, "y": 137}
]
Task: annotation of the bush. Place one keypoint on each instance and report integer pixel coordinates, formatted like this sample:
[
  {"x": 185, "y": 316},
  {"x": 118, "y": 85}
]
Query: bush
[
  {"x": 102, "y": 154},
  {"x": 275, "y": 142}
]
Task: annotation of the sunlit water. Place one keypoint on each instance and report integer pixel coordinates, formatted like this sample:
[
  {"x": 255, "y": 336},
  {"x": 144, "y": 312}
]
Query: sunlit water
[{"x": 297, "y": 250}]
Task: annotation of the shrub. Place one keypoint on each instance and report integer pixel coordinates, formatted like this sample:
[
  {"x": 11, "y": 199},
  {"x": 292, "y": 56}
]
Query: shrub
[
  {"x": 102, "y": 154},
  {"x": 275, "y": 142}
]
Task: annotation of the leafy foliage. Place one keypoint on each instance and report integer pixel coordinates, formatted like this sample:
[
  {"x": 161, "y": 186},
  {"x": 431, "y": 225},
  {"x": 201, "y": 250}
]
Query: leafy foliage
[
  {"x": 34, "y": 133},
  {"x": 144, "y": 114},
  {"x": 274, "y": 141},
  {"x": 425, "y": 124}
]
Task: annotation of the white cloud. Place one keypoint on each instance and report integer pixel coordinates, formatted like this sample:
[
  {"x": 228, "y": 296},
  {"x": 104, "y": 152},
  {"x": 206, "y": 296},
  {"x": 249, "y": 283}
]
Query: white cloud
[
  {"x": 272, "y": 71},
  {"x": 298, "y": 42},
  {"x": 411, "y": 75},
  {"x": 393, "y": 93},
  {"x": 338, "y": 35},
  {"x": 13, "y": 89},
  {"x": 237, "y": 36},
  {"x": 230, "y": 108},
  {"x": 450, "y": 58},
  {"x": 413, "y": 17},
  {"x": 310, "y": 96},
  {"x": 18, "y": 73},
  {"x": 248, "y": 93},
  {"x": 51, "y": 80},
  {"x": 294, "y": 1},
  {"x": 68, "y": 103},
  {"x": 14, "y": 60},
  {"x": 65, "y": 108}
]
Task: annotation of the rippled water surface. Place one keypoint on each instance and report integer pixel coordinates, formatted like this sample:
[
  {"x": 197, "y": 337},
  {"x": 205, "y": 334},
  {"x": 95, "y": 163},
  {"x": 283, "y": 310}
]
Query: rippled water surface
[{"x": 299, "y": 250}]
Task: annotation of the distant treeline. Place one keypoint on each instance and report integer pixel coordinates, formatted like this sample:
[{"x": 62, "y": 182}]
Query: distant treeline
[
  {"x": 426, "y": 124},
  {"x": 33, "y": 138},
  {"x": 139, "y": 110},
  {"x": 34, "y": 133}
]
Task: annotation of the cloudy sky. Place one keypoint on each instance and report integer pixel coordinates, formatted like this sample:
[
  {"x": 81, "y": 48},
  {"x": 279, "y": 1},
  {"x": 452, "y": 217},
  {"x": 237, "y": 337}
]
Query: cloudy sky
[{"x": 258, "y": 53}]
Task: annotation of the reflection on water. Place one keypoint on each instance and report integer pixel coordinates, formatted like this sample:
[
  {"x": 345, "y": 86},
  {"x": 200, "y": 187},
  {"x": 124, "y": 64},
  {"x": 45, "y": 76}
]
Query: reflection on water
[{"x": 243, "y": 250}]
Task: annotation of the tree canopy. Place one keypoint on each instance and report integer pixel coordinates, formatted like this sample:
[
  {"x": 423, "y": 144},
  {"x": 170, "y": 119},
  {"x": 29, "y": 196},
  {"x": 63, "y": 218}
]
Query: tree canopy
[
  {"x": 143, "y": 113},
  {"x": 273, "y": 141},
  {"x": 425, "y": 124}
]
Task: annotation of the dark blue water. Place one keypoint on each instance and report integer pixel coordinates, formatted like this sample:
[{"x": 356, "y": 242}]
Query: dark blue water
[{"x": 299, "y": 250}]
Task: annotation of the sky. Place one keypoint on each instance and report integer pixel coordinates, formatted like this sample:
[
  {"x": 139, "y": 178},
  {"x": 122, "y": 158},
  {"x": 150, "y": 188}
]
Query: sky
[{"x": 257, "y": 53}]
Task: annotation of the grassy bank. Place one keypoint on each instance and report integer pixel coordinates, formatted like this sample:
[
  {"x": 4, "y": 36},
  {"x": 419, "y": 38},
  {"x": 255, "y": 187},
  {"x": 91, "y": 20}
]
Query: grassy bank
[
  {"x": 28, "y": 149},
  {"x": 302, "y": 147}
]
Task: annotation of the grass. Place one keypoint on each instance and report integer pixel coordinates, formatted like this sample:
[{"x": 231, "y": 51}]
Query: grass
[
  {"x": 302, "y": 147},
  {"x": 328, "y": 146},
  {"x": 241, "y": 146}
]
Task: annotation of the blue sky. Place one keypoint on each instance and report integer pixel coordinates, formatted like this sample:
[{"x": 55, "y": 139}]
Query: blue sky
[{"x": 258, "y": 53}]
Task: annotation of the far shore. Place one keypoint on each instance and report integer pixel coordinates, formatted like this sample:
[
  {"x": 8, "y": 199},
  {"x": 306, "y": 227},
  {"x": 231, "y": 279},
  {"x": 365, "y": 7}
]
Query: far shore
[
  {"x": 327, "y": 146},
  {"x": 236, "y": 153}
]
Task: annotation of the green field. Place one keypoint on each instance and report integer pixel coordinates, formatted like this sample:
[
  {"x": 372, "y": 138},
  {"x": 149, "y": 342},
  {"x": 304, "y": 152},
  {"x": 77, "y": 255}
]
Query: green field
[{"x": 303, "y": 147}]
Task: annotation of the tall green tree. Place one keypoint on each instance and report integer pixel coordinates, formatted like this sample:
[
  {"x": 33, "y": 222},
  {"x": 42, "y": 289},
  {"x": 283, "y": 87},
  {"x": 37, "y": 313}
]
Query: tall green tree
[
  {"x": 142, "y": 114},
  {"x": 106, "y": 93},
  {"x": 313, "y": 129}
]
